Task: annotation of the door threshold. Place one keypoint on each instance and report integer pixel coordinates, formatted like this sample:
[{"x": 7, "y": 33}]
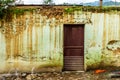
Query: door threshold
[{"x": 73, "y": 71}]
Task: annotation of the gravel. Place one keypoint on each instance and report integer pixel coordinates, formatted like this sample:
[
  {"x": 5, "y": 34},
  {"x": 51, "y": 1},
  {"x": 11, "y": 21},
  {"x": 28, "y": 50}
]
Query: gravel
[{"x": 67, "y": 75}]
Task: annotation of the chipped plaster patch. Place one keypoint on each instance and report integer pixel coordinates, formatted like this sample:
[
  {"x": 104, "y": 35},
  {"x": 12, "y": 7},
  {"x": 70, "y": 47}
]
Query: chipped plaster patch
[{"x": 114, "y": 46}]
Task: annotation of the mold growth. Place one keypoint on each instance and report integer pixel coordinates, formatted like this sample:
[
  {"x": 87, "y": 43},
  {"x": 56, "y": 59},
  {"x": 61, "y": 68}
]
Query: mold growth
[
  {"x": 93, "y": 56},
  {"x": 8, "y": 14}
]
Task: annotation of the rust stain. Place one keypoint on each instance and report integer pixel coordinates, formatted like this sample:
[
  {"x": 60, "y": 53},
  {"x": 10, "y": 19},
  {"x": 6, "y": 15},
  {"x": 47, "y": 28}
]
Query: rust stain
[
  {"x": 25, "y": 36},
  {"x": 93, "y": 44},
  {"x": 8, "y": 48},
  {"x": 15, "y": 54},
  {"x": 104, "y": 32}
]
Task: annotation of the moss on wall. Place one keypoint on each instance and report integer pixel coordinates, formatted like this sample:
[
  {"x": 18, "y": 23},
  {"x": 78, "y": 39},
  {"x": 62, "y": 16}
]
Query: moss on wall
[
  {"x": 44, "y": 18},
  {"x": 92, "y": 9},
  {"x": 53, "y": 11},
  {"x": 7, "y": 14}
]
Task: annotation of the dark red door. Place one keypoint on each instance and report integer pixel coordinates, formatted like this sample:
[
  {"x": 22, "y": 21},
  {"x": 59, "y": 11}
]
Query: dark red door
[{"x": 74, "y": 47}]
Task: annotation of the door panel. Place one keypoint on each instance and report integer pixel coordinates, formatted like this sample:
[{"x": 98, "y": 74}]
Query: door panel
[
  {"x": 73, "y": 52},
  {"x": 74, "y": 47}
]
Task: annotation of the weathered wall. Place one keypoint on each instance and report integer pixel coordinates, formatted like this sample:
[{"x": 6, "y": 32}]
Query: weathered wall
[
  {"x": 31, "y": 41},
  {"x": 102, "y": 38},
  {"x": 34, "y": 41}
]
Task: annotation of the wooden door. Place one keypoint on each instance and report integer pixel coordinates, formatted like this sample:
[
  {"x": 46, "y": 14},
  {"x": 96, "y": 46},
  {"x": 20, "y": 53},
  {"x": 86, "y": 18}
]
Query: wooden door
[{"x": 73, "y": 47}]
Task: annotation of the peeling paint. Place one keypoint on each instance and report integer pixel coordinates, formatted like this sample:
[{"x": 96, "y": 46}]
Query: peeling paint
[
  {"x": 112, "y": 44},
  {"x": 102, "y": 30},
  {"x": 36, "y": 40}
]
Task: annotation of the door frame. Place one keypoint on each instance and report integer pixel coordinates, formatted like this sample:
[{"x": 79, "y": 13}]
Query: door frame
[{"x": 82, "y": 25}]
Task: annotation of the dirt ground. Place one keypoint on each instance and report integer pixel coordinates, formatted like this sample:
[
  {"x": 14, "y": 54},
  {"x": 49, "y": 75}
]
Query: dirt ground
[{"x": 67, "y": 75}]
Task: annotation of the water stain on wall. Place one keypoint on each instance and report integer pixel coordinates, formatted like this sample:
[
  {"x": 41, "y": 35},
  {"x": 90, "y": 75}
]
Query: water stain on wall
[{"x": 35, "y": 39}]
